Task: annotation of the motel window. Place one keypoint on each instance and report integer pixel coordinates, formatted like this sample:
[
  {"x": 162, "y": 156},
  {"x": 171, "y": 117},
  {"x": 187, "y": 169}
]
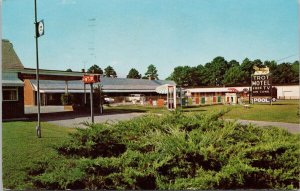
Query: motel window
[{"x": 10, "y": 94}]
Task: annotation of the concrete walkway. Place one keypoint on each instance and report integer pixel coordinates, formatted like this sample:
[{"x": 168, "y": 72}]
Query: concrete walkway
[{"x": 291, "y": 127}]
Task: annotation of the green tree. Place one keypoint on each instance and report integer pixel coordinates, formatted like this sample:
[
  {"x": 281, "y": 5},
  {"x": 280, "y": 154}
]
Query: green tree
[
  {"x": 234, "y": 76},
  {"x": 272, "y": 65},
  {"x": 69, "y": 70},
  {"x": 95, "y": 69},
  {"x": 201, "y": 76},
  {"x": 133, "y": 73},
  {"x": 284, "y": 74},
  {"x": 182, "y": 76},
  {"x": 216, "y": 70},
  {"x": 295, "y": 68},
  {"x": 151, "y": 72},
  {"x": 233, "y": 63},
  {"x": 247, "y": 67},
  {"x": 110, "y": 72}
]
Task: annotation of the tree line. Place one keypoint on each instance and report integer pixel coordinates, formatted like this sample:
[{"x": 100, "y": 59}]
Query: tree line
[
  {"x": 218, "y": 72},
  {"x": 133, "y": 73}
]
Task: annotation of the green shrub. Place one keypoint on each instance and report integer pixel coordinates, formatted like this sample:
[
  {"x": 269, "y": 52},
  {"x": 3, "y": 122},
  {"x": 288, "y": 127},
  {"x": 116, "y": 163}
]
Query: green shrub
[{"x": 174, "y": 151}]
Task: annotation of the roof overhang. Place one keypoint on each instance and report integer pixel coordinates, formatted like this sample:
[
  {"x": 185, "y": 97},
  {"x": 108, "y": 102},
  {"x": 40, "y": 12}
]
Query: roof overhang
[
  {"x": 163, "y": 89},
  {"x": 30, "y": 74},
  {"x": 87, "y": 91}
]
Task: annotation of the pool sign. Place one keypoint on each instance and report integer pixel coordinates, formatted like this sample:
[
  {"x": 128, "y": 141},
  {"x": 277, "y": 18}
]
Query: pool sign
[
  {"x": 264, "y": 99},
  {"x": 261, "y": 85}
]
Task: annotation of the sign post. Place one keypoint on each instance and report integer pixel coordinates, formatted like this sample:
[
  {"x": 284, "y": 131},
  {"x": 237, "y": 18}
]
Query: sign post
[
  {"x": 92, "y": 108},
  {"x": 39, "y": 31},
  {"x": 91, "y": 79}
]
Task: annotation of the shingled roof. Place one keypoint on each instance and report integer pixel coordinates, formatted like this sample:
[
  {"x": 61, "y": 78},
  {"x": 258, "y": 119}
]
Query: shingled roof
[{"x": 10, "y": 60}]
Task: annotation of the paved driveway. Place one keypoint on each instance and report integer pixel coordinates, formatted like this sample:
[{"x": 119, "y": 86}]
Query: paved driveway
[
  {"x": 76, "y": 121},
  {"x": 291, "y": 127},
  {"x": 57, "y": 115}
]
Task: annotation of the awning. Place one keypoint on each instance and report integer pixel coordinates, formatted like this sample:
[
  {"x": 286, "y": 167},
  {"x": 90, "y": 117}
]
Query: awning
[{"x": 163, "y": 89}]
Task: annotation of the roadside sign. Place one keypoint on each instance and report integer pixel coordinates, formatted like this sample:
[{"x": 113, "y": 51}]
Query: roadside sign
[
  {"x": 264, "y": 99},
  {"x": 90, "y": 79},
  {"x": 261, "y": 85},
  {"x": 40, "y": 29}
]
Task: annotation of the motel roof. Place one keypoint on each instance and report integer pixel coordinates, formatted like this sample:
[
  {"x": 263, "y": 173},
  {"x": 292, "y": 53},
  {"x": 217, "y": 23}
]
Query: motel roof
[
  {"x": 216, "y": 89},
  {"x": 108, "y": 85},
  {"x": 10, "y": 60},
  {"x": 11, "y": 64}
]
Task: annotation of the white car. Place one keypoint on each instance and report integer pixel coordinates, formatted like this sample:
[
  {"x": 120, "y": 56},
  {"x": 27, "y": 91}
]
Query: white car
[{"x": 109, "y": 100}]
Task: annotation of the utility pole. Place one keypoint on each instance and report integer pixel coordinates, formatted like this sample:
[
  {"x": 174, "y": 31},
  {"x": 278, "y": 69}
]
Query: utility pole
[{"x": 39, "y": 31}]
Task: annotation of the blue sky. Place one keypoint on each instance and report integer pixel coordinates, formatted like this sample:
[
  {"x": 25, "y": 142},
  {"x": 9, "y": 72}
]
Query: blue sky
[{"x": 136, "y": 33}]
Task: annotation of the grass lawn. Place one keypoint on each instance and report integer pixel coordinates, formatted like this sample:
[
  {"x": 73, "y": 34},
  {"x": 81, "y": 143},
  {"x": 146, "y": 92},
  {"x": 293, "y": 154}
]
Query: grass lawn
[
  {"x": 280, "y": 111},
  {"x": 21, "y": 148}
]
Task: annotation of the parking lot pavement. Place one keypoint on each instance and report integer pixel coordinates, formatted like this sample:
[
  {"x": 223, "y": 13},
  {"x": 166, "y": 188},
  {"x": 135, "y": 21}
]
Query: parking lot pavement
[
  {"x": 291, "y": 127},
  {"x": 76, "y": 121}
]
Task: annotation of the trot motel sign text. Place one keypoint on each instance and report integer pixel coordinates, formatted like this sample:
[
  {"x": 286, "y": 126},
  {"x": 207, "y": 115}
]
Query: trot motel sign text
[
  {"x": 261, "y": 85},
  {"x": 90, "y": 79}
]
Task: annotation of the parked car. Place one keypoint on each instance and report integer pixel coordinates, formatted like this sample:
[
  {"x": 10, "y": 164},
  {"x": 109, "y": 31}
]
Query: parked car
[{"x": 109, "y": 100}]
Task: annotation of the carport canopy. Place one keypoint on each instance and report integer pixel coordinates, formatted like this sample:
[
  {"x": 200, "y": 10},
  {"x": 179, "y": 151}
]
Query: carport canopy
[{"x": 30, "y": 74}]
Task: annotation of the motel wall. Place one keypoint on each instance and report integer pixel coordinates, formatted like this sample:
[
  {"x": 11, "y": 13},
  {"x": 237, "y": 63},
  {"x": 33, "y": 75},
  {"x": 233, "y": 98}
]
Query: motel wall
[
  {"x": 14, "y": 109},
  {"x": 288, "y": 92},
  {"x": 221, "y": 95}
]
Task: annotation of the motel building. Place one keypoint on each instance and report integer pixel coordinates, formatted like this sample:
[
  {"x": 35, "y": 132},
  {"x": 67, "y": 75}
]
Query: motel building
[
  {"x": 12, "y": 86},
  {"x": 217, "y": 95},
  {"x": 20, "y": 86},
  {"x": 236, "y": 95},
  {"x": 116, "y": 88}
]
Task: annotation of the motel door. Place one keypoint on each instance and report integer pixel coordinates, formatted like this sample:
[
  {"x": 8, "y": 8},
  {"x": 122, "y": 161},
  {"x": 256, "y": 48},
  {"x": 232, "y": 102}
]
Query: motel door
[{"x": 231, "y": 98}]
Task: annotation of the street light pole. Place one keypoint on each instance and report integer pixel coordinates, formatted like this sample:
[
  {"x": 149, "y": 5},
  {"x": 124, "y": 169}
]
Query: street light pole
[{"x": 38, "y": 127}]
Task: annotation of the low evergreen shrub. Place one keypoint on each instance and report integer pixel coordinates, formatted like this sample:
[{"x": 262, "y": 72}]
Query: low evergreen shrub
[{"x": 173, "y": 151}]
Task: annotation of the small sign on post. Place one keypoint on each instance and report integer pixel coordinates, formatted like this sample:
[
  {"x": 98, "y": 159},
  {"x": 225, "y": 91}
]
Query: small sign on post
[
  {"x": 40, "y": 29},
  {"x": 90, "y": 79}
]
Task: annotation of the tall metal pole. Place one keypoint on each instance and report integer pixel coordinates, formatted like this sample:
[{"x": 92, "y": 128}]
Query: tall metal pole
[
  {"x": 92, "y": 106},
  {"x": 38, "y": 127}
]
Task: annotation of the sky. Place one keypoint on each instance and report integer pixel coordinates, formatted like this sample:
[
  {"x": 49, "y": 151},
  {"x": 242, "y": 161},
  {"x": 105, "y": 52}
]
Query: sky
[{"x": 136, "y": 33}]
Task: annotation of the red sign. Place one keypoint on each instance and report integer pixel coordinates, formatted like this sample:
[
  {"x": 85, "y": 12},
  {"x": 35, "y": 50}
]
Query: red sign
[
  {"x": 232, "y": 90},
  {"x": 89, "y": 79}
]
